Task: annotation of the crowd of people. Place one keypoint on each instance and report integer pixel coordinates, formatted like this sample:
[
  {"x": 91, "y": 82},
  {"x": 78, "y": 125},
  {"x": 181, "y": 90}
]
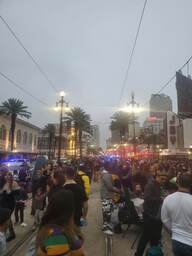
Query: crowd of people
[
  {"x": 163, "y": 189},
  {"x": 152, "y": 192},
  {"x": 50, "y": 187}
]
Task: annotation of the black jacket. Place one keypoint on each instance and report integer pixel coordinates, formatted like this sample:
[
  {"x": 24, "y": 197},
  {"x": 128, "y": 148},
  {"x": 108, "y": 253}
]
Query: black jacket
[{"x": 152, "y": 199}]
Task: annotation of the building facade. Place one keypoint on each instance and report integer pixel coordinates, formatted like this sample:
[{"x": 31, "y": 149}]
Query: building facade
[
  {"x": 184, "y": 95},
  {"x": 95, "y": 135},
  {"x": 187, "y": 133},
  {"x": 153, "y": 125},
  {"x": 69, "y": 142},
  {"x": 173, "y": 123},
  {"x": 179, "y": 132},
  {"x": 159, "y": 105},
  {"x": 26, "y": 136}
]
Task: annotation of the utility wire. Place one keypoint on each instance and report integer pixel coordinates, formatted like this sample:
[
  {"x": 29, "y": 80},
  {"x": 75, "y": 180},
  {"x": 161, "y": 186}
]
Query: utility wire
[
  {"x": 132, "y": 52},
  {"x": 23, "y": 89},
  {"x": 28, "y": 53},
  {"x": 172, "y": 78}
]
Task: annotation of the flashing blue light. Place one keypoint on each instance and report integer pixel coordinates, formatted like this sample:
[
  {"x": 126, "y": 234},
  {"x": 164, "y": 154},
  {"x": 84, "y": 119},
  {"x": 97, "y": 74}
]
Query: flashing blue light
[{"x": 9, "y": 160}]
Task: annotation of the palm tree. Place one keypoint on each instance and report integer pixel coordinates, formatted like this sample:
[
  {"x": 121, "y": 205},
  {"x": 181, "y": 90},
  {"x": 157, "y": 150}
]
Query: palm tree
[
  {"x": 81, "y": 122},
  {"x": 14, "y": 107},
  {"x": 49, "y": 130},
  {"x": 120, "y": 122}
]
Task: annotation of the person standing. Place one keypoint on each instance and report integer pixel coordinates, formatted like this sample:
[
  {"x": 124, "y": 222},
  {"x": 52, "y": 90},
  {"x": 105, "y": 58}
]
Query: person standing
[
  {"x": 176, "y": 215},
  {"x": 22, "y": 176},
  {"x": 125, "y": 175},
  {"x": 8, "y": 191},
  {"x": 82, "y": 173},
  {"x": 39, "y": 204},
  {"x": 20, "y": 198},
  {"x": 107, "y": 191},
  {"x": 4, "y": 222},
  {"x": 152, "y": 225},
  {"x": 57, "y": 234},
  {"x": 80, "y": 197}
]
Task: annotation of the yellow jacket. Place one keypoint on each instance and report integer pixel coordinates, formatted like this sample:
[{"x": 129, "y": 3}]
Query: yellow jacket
[{"x": 86, "y": 182}]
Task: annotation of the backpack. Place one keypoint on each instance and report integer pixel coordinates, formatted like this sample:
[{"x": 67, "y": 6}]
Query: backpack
[{"x": 155, "y": 251}]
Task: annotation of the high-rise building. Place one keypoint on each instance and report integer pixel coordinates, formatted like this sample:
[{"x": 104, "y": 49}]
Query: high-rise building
[
  {"x": 160, "y": 104},
  {"x": 184, "y": 95},
  {"x": 96, "y": 135}
]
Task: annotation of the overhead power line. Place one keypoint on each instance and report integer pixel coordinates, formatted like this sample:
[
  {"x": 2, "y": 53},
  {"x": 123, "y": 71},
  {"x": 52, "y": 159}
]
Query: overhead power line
[
  {"x": 29, "y": 54},
  {"x": 132, "y": 52},
  {"x": 23, "y": 89},
  {"x": 172, "y": 78}
]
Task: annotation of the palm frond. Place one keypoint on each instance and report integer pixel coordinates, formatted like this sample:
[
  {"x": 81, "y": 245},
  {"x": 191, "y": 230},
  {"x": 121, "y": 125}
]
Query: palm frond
[{"x": 16, "y": 107}]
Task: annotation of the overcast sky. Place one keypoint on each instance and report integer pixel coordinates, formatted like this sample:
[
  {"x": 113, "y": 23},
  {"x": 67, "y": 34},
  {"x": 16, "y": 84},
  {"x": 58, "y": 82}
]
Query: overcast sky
[{"x": 84, "y": 47}]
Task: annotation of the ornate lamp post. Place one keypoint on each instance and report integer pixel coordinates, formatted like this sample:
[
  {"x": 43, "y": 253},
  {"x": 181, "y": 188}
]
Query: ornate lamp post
[
  {"x": 60, "y": 106},
  {"x": 133, "y": 108}
]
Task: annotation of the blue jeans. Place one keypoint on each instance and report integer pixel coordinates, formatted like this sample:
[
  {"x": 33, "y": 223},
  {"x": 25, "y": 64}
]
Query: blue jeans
[{"x": 180, "y": 249}]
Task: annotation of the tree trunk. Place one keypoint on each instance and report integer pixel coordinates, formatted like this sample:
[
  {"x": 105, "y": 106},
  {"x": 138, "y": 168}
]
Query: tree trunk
[
  {"x": 80, "y": 143},
  {"x": 13, "y": 123},
  {"x": 75, "y": 141}
]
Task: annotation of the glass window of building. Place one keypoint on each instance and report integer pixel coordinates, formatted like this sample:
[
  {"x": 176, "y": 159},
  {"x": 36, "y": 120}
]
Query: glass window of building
[
  {"x": 25, "y": 138},
  {"x": 30, "y": 139},
  {"x": 18, "y": 139},
  {"x": 3, "y": 132}
]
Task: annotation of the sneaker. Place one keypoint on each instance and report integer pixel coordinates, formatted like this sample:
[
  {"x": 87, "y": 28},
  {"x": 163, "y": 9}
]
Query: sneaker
[
  {"x": 107, "y": 229},
  {"x": 108, "y": 232},
  {"x": 23, "y": 224},
  {"x": 104, "y": 226}
]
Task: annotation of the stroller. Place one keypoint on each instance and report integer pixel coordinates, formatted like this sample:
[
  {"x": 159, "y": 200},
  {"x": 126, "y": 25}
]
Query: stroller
[{"x": 128, "y": 215}]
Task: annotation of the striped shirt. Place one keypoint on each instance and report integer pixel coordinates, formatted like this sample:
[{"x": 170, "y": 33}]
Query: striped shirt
[{"x": 56, "y": 243}]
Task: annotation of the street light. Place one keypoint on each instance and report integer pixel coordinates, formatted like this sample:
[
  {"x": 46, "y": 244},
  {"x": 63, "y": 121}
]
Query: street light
[
  {"x": 62, "y": 94},
  {"x": 60, "y": 106},
  {"x": 134, "y": 108}
]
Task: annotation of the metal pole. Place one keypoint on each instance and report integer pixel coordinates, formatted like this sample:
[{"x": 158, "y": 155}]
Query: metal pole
[
  {"x": 134, "y": 136},
  {"x": 60, "y": 128},
  {"x": 134, "y": 132}
]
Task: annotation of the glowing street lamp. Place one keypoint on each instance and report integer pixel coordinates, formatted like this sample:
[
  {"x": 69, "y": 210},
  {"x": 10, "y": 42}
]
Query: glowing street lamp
[
  {"x": 133, "y": 108},
  {"x": 62, "y": 94},
  {"x": 60, "y": 106}
]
